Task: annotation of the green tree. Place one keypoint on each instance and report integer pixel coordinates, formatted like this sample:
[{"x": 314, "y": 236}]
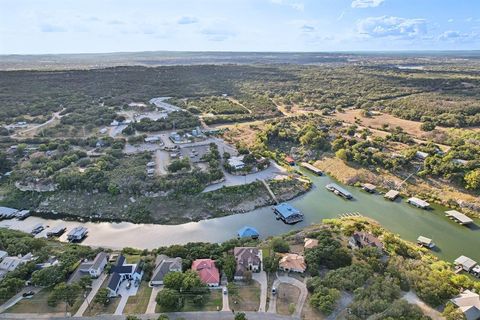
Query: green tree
[
  {"x": 472, "y": 179},
  {"x": 102, "y": 297},
  {"x": 65, "y": 293},
  {"x": 169, "y": 300},
  {"x": 240, "y": 316},
  {"x": 229, "y": 266},
  {"x": 279, "y": 245},
  {"x": 427, "y": 126},
  {"x": 342, "y": 154},
  {"x": 85, "y": 282},
  {"x": 192, "y": 282},
  {"x": 173, "y": 280},
  {"x": 48, "y": 277},
  {"x": 324, "y": 299}
]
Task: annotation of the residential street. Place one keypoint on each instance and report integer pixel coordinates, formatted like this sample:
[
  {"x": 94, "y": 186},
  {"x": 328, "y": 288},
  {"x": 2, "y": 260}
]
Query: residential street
[
  {"x": 96, "y": 284},
  {"x": 152, "y": 303},
  {"x": 261, "y": 278}
]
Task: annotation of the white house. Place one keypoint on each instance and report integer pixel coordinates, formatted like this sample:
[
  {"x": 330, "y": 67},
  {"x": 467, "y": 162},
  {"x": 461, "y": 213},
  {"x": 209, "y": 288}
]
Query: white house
[
  {"x": 236, "y": 162},
  {"x": 98, "y": 265},
  {"x": 121, "y": 272}
]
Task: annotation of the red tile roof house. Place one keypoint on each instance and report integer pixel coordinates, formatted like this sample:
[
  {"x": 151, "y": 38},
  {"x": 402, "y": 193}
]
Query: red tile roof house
[{"x": 207, "y": 271}]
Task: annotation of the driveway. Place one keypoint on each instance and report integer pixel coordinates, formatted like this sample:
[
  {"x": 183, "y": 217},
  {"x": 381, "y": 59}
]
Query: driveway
[
  {"x": 225, "y": 305},
  {"x": 16, "y": 298},
  {"x": 162, "y": 161},
  {"x": 152, "y": 303},
  {"x": 273, "y": 171},
  {"x": 96, "y": 284},
  {"x": 412, "y": 298},
  {"x": 261, "y": 278},
  {"x": 303, "y": 292},
  {"x": 125, "y": 293}
]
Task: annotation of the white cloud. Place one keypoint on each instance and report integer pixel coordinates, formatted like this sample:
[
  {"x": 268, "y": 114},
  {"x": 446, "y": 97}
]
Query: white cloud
[
  {"x": 48, "y": 27},
  {"x": 450, "y": 20},
  {"x": 187, "y": 20},
  {"x": 394, "y": 27},
  {"x": 297, "y": 5},
  {"x": 456, "y": 36},
  {"x": 366, "y": 3}
]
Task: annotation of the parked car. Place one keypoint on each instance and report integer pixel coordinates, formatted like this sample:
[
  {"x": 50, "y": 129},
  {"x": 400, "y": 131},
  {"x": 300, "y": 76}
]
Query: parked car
[
  {"x": 129, "y": 284},
  {"x": 225, "y": 291},
  {"x": 28, "y": 294},
  {"x": 274, "y": 291}
]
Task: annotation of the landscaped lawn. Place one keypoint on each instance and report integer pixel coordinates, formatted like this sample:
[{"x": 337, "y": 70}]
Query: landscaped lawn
[
  {"x": 96, "y": 309},
  {"x": 213, "y": 300},
  {"x": 139, "y": 302},
  {"x": 38, "y": 304},
  {"x": 244, "y": 297},
  {"x": 287, "y": 298}
]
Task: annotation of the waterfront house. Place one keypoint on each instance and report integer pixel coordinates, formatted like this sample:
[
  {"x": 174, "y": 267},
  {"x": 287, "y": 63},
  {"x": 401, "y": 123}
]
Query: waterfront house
[
  {"x": 310, "y": 243},
  {"x": 98, "y": 265},
  {"x": 207, "y": 271},
  {"x": 248, "y": 259},
  {"x": 335, "y": 188},
  {"x": 12, "y": 263},
  {"x": 287, "y": 213},
  {"x": 3, "y": 254},
  {"x": 460, "y": 162},
  {"x": 361, "y": 239},
  {"x": 123, "y": 272},
  {"x": 419, "y": 203},
  {"x": 458, "y": 217},
  {"x": 236, "y": 163},
  {"x": 391, "y": 195},
  {"x": 164, "y": 265},
  {"x": 248, "y": 232},
  {"x": 469, "y": 303},
  {"x": 465, "y": 263},
  {"x": 292, "y": 262}
]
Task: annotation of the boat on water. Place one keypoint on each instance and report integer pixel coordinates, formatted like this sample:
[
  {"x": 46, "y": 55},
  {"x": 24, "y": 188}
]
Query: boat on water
[{"x": 425, "y": 242}]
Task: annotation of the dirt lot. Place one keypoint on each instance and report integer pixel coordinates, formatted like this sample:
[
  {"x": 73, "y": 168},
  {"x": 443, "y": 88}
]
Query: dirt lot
[
  {"x": 287, "y": 298},
  {"x": 245, "y": 297}
]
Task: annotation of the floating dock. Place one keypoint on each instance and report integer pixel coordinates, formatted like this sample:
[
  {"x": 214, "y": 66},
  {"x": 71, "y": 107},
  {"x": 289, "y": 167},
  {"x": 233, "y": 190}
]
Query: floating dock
[
  {"x": 391, "y": 195},
  {"x": 56, "y": 232},
  {"x": 287, "y": 213},
  {"x": 458, "y": 217},
  {"x": 335, "y": 188},
  {"x": 419, "y": 203},
  {"x": 425, "y": 242},
  {"x": 312, "y": 168},
  {"x": 77, "y": 234}
]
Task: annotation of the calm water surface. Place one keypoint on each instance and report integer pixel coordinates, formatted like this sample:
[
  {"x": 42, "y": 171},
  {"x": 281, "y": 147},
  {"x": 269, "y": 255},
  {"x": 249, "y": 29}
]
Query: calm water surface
[{"x": 452, "y": 239}]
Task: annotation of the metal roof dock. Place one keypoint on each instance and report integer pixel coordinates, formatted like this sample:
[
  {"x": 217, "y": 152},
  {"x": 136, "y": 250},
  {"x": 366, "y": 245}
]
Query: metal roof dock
[
  {"x": 458, "y": 217},
  {"x": 335, "y": 188}
]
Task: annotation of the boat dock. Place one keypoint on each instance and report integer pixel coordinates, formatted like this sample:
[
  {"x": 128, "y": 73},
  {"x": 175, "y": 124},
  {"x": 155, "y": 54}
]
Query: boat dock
[
  {"x": 425, "y": 242},
  {"x": 287, "y": 213},
  {"x": 312, "y": 168},
  {"x": 391, "y": 195},
  {"x": 419, "y": 203},
  {"x": 350, "y": 215},
  {"x": 335, "y": 188},
  {"x": 77, "y": 234},
  {"x": 458, "y": 217}
]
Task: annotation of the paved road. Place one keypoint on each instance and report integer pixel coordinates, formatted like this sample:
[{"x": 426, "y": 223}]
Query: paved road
[
  {"x": 412, "y": 298},
  {"x": 96, "y": 284},
  {"x": 152, "y": 303},
  {"x": 303, "y": 292},
  {"x": 225, "y": 303},
  {"x": 213, "y": 315},
  {"x": 16, "y": 298},
  {"x": 261, "y": 278}
]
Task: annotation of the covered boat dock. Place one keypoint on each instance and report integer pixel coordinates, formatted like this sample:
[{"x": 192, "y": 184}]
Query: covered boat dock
[
  {"x": 458, "y": 217},
  {"x": 335, "y": 188},
  {"x": 287, "y": 213}
]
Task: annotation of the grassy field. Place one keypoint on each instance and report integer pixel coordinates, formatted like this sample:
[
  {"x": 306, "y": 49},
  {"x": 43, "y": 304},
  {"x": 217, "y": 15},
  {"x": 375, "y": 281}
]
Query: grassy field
[
  {"x": 139, "y": 302},
  {"x": 96, "y": 309},
  {"x": 287, "y": 298},
  {"x": 245, "y": 297},
  {"x": 213, "y": 302},
  {"x": 38, "y": 304}
]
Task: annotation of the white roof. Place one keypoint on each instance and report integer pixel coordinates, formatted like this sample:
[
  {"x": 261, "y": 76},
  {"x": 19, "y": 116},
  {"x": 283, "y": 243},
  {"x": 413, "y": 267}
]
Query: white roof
[
  {"x": 392, "y": 193},
  {"x": 418, "y": 201},
  {"x": 459, "y": 216},
  {"x": 465, "y": 261},
  {"x": 425, "y": 240},
  {"x": 236, "y": 161}
]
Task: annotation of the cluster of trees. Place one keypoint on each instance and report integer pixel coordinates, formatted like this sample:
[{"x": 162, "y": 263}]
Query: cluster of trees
[
  {"x": 176, "y": 119},
  {"x": 329, "y": 253}
]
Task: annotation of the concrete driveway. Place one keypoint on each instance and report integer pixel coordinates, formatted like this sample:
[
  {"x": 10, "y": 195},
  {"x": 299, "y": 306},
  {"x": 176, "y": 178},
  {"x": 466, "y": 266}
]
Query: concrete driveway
[
  {"x": 261, "y": 278},
  {"x": 125, "y": 293},
  {"x": 96, "y": 284},
  {"x": 16, "y": 298},
  {"x": 272, "y": 306},
  {"x": 152, "y": 303},
  {"x": 225, "y": 303}
]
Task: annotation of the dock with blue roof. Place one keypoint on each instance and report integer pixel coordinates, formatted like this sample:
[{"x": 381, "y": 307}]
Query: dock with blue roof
[{"x": 287, "y": 213}]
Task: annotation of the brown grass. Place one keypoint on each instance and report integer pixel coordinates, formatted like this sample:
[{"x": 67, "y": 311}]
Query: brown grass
[
  {"x": 245, "y": 297},
  {"x": 287, "y": 298}
]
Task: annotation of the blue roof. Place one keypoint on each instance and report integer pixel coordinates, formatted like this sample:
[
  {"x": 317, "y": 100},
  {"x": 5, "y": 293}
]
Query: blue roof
[
  {"x": 247, "y": 232},
  {"x": 286, "y": 210}
]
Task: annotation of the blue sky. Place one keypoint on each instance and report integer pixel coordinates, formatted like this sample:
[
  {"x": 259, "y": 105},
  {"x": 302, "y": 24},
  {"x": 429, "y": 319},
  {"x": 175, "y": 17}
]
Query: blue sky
[{"x": 74, "y": 26}]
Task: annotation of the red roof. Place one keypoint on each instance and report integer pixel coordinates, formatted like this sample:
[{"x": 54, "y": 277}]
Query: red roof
[
  {"x": 207, "y": 271},
  {"x": 289, "y": 159}
]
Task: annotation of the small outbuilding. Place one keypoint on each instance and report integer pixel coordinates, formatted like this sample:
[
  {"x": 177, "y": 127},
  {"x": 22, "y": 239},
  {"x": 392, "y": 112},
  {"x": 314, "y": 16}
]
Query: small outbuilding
[{"x": 465, "y": 263}]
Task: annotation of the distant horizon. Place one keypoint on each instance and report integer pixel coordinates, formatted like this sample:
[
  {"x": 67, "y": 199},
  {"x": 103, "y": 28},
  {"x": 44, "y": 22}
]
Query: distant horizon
[
  {"x": 252, "y": 52},
  {"x": 35, "y": 27}
]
